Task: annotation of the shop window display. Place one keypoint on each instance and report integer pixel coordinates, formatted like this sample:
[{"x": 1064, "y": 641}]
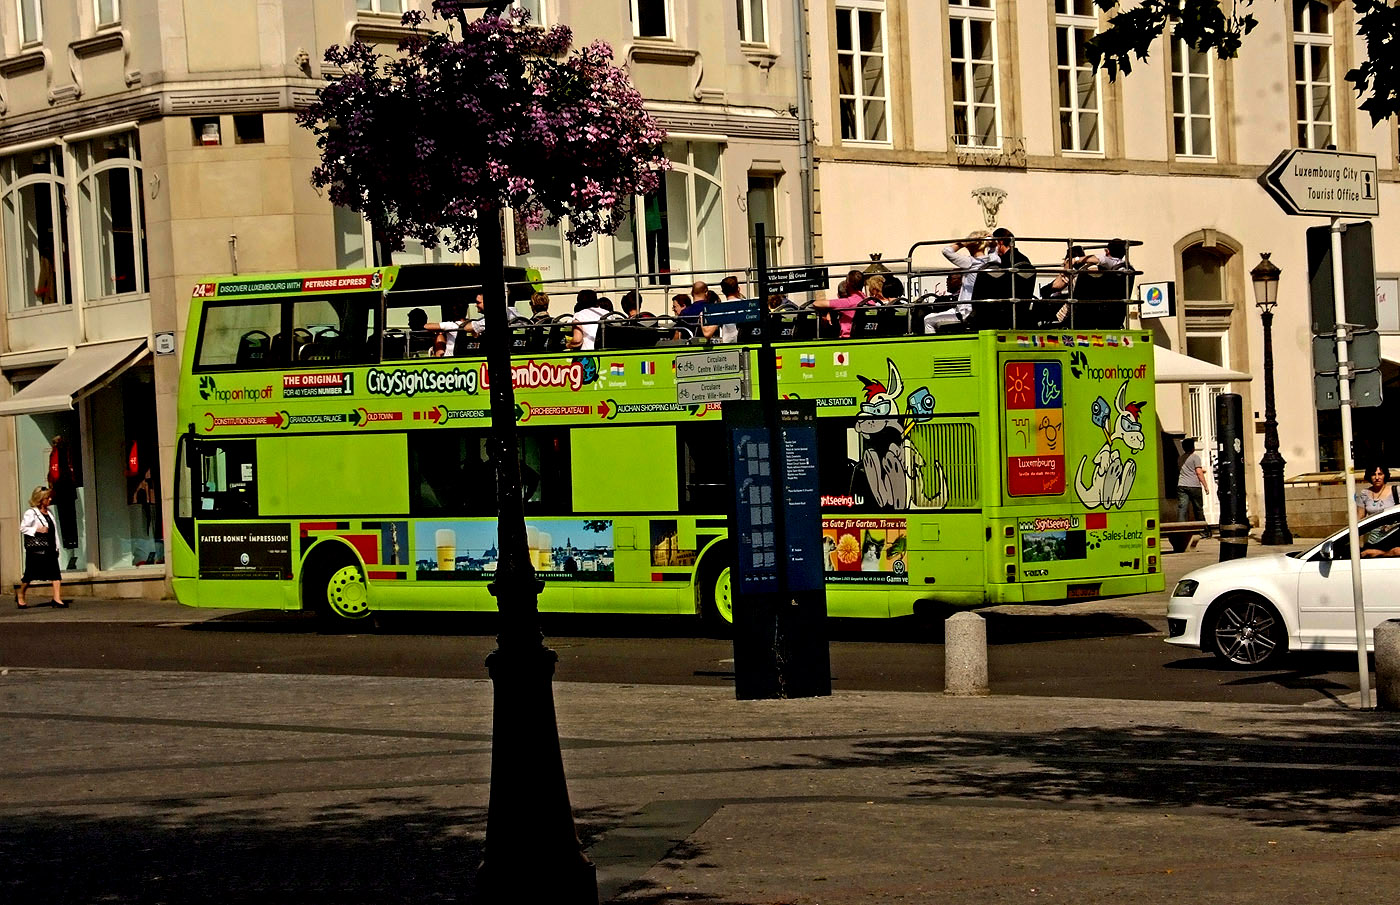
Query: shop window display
[{"x": 126, "y": 468}]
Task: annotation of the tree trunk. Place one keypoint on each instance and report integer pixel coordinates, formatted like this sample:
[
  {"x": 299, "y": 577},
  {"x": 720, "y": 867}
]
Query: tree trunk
[{"x": 532, "y": 846}]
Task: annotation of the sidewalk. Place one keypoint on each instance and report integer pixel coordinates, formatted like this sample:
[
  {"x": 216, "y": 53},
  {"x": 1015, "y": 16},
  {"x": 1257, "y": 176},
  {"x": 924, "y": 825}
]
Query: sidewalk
[{"x": 146, "y": 787}]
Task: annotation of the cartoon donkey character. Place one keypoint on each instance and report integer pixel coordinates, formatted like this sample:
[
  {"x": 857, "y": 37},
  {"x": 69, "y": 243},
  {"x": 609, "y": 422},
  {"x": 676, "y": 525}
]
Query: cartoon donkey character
[
  {"x": 891, "y": 463},
  {"x": 1112, "y": 478}
]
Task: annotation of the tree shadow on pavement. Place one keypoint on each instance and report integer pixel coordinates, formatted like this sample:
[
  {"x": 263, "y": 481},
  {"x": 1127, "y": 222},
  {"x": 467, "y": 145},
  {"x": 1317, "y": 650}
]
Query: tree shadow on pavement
[
  {"x": 1327, "y": 781},
  {"x": 381, "y": 851}
]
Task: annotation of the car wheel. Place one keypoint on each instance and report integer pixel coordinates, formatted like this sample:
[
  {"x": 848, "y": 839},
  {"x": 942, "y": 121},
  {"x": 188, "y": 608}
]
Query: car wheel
[{"x": 1248, "y": 632}]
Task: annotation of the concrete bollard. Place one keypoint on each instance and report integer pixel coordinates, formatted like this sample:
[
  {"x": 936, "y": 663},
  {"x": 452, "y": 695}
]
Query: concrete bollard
[
  {"x": 1387, "y": 641},
  {"x": 965, "y": 654}
]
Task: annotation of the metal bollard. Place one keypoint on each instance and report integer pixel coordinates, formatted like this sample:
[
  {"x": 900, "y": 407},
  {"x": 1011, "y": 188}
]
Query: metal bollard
[
  {"x": 965, "y": 655},
  {"x": 1387, "y": 642}
]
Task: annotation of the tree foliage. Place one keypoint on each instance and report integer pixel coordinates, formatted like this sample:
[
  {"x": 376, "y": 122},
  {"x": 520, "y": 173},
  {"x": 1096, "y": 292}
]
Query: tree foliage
[
  {"x": 1206, "y": 26},
  {"x": 471, "y": 117}
]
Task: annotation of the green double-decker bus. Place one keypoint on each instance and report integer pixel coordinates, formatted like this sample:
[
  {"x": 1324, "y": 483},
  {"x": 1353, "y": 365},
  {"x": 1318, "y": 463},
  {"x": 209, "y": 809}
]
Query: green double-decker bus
[{"x": 332, "y": 459}]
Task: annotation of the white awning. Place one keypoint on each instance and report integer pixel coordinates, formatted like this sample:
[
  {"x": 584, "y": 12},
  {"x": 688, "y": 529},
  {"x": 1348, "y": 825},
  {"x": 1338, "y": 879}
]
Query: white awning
[
  {"x": 87, "y": 370},
  {"x": 1173, "y": 367},
  {"x": 1390, "y": 348}
]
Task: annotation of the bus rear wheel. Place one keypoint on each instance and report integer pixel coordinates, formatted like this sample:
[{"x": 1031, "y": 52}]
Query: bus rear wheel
[
  {"x": 338, "y": 593},
  {"x": 717, "y": 598}
]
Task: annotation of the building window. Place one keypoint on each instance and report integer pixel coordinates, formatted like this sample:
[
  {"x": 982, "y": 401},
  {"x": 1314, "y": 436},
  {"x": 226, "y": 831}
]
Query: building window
[
  {"x": 1080, "y": 106},
  {"x": 535, "y": 8},
  {"x": 1193, "y": 101},
  {"x": 35, "y": 218},
  {"x": 763, "y": 208},
  {"x": 681, "y": 228},
  {"x": 651, "y": 18},
  {"x": 31, "y": 21},
  {"x": 107, "y": 12},
  {"x": 972, "y": 55},
  {"x": 1312, "y": 73},
  {"x": 753, "y": 21},
  {"x": 111, "y": 215},
  {"x": 379, "y": 6},
  {"x": 860, "y": 70}
]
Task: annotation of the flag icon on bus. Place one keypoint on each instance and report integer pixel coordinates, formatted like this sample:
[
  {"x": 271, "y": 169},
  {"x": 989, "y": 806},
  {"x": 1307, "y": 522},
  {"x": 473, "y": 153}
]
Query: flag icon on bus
[
  {"x": 648, "y": 367},
  {"x": 618, "y": 369},
  {"x": 841, "y": 359},
  {"x": 808, "y": 360}
]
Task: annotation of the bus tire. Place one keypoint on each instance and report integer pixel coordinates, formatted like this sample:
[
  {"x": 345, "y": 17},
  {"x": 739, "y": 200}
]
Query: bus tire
[
  {"x": 333, "y": 586},
  {"x": 717, "y": 593}
]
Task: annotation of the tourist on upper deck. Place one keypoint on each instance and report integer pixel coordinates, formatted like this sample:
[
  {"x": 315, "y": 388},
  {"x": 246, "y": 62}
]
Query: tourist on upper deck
[
  {"x": 729, "y": 333},
  {"x": 1012, "y": 276},
  {"x": 587, "y": 313},
  {"x": 539, "y": 307},
  {"x": 687, "y": 324},
  {"x": 848, "y": 298},
  {"x": 944, "y": 312},
  {"x": 893, "y": 289},
  {"x": 629, "y": 304}
]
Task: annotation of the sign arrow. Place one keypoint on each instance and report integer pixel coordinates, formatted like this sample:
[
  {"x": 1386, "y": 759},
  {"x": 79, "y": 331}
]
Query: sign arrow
[
  {"x": 1323, "y": 183},
  {"x": 603, "y": 410}
]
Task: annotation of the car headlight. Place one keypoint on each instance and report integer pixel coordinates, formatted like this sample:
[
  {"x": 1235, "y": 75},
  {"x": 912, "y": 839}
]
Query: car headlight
[{"x": 1186, "y": 588}]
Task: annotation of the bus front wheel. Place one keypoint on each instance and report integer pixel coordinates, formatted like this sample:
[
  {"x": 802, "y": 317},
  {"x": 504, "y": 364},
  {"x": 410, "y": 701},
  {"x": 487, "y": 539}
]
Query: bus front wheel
[{"x": 337, "y": 592}]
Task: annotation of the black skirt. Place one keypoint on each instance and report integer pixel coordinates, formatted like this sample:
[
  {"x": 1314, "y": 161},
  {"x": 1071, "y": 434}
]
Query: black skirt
[{"x": 41, "y": 565}]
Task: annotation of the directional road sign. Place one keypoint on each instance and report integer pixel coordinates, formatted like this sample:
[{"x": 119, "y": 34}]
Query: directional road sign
[
  {"x": 797, "y": 279},
  {"x": 736, "y": 311},
  {"x": 1323, "y": 183}
]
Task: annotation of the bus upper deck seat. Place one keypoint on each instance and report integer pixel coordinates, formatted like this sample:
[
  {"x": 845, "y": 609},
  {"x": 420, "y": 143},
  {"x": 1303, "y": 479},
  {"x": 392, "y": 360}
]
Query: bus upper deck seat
[{"x": 253, "y": 348}]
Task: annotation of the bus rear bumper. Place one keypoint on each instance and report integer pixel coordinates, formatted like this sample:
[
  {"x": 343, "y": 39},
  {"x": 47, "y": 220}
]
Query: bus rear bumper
[{"x": 1075, "y": 591}]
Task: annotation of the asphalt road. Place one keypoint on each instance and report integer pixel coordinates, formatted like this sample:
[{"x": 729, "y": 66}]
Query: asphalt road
[{"x": 1032, "y": 651}]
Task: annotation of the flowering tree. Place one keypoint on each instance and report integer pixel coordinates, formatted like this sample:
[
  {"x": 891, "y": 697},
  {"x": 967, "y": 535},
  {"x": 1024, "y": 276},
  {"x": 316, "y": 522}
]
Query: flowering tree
[
  {"x": 478, "y": 116},
  {"x": 469, "y": 118}
]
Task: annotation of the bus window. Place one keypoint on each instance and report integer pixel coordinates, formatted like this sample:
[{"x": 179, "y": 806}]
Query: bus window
[
  {"x": 241, "y": 335},
  {"x": 227, "y": 479},
  {"x": 338, "y": 328},
  {"x": 450, "y": 473},
  {"x": 704, "y": 468}
]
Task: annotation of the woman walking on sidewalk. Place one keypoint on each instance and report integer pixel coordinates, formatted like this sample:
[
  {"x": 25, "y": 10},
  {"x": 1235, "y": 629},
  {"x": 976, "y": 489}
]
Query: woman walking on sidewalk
[{"x": 40, "y": 547}]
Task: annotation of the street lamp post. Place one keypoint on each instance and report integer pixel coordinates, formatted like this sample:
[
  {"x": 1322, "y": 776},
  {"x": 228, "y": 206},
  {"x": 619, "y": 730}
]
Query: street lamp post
[{"x": 1265, "y": 276}]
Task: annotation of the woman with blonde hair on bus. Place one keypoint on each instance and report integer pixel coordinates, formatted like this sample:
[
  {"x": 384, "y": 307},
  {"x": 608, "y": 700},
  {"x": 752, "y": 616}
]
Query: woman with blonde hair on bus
[
  {"x": 970, "y": 255},
  {"x": 40, "y": 547}
]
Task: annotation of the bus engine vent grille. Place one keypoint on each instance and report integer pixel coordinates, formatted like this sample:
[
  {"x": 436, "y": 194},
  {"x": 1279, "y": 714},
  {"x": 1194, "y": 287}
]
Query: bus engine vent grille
[
  {"x": 952, "y": 367},
  {"x": 945, "y": 475}
]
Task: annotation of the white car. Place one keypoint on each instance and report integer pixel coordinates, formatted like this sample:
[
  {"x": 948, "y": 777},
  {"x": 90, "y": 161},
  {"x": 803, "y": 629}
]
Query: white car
[{"x": 1251, "y": 611}]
